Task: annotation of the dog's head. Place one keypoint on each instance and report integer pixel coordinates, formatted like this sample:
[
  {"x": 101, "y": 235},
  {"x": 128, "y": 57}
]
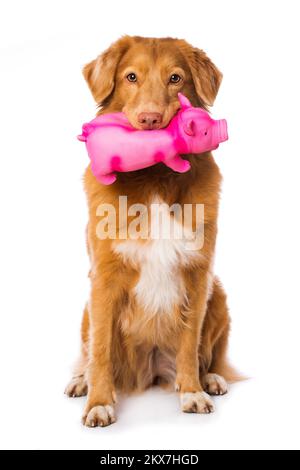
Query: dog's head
[{"x": 142, "y": 78}]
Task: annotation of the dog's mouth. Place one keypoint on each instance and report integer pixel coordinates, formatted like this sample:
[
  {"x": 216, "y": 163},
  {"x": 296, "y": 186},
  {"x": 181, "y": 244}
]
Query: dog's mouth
[{"x": 154, "y": 127}]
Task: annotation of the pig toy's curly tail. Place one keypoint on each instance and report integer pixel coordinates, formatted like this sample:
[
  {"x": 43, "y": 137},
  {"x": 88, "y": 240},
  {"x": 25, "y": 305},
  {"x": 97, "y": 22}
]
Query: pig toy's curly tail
[
  {"x": 82, "y": 138},
  {"x": 86, "y": 129}
]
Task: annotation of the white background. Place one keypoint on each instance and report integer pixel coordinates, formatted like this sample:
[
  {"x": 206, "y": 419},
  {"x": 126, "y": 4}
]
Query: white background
[{"x": 43, "y": 263}]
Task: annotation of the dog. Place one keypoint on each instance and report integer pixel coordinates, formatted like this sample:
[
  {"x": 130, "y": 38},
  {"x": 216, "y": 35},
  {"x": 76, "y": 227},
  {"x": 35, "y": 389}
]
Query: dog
[{"x": 157, "y": 314}]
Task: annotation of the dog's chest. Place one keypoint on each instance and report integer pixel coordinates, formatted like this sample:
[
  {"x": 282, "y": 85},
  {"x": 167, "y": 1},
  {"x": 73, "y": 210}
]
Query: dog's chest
[{"x": 159, "y": 259}]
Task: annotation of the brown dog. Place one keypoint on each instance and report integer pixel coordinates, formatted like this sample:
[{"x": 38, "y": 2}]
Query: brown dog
[{"x": 156, "y": 311}]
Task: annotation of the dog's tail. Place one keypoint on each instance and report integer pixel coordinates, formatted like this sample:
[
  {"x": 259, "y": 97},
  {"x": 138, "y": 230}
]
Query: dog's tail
[{"x": 231, "y": 374}]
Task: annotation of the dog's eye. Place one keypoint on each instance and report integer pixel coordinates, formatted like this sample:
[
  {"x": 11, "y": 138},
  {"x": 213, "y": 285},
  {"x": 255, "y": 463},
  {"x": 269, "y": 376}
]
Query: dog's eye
[
  {"x": 175, "y": 78},
  {"x": 131, "y": 77}
]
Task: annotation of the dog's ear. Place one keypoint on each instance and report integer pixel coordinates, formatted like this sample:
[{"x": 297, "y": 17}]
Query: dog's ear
[
  {"x": 206, "y": 76},
  {"x": 100, "y": 73}
]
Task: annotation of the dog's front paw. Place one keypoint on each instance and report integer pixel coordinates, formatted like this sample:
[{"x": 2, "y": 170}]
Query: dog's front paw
[
  {"x": 101, "y": 415},
  {"x": 197, "y": 402}
]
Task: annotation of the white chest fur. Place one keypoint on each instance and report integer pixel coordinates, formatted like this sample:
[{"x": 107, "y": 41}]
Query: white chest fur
[{"x": 161, "y": 285}]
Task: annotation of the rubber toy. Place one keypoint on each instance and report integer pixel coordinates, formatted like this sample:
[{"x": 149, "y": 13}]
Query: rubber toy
[{"x": 114, "y": 145}]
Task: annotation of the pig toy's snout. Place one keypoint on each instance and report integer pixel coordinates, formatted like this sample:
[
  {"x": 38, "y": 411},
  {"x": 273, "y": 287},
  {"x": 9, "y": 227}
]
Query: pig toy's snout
[{"x": 222, "y": 133}]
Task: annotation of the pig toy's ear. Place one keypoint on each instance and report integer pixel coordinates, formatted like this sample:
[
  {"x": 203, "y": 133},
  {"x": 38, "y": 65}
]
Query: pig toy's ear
[
  {"x": 189, "y": 127},
  {"x": 184, "y": 101}
]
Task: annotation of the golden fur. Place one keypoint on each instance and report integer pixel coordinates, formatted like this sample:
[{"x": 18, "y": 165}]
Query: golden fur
[{"x": 123, "y": 348}]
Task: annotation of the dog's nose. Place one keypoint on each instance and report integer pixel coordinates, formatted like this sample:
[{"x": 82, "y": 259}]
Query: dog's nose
[{"x": 150, "y": 120}]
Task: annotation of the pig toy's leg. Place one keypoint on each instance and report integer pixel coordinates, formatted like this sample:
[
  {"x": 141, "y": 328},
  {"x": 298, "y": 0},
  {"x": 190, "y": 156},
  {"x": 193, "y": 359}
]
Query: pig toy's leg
[
  {"x": 178, "y": 164},
  {"x": 107, "y": 179}
]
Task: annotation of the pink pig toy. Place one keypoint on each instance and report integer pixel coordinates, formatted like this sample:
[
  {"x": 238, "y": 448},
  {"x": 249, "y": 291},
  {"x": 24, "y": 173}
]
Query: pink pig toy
[{"x": 113, "y": 144}]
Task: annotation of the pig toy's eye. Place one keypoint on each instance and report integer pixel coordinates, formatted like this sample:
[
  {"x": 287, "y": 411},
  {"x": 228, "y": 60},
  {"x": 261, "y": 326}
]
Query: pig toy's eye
[
  {"x": 131, "y": 77},
  {"x": 205, "y": 133}
]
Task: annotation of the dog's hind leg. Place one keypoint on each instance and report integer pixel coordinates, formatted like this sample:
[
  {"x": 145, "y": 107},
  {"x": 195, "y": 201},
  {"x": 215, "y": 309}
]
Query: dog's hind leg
[
  {"x": 215, "y": 370},
  {"x": 77, "y": 386}
]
